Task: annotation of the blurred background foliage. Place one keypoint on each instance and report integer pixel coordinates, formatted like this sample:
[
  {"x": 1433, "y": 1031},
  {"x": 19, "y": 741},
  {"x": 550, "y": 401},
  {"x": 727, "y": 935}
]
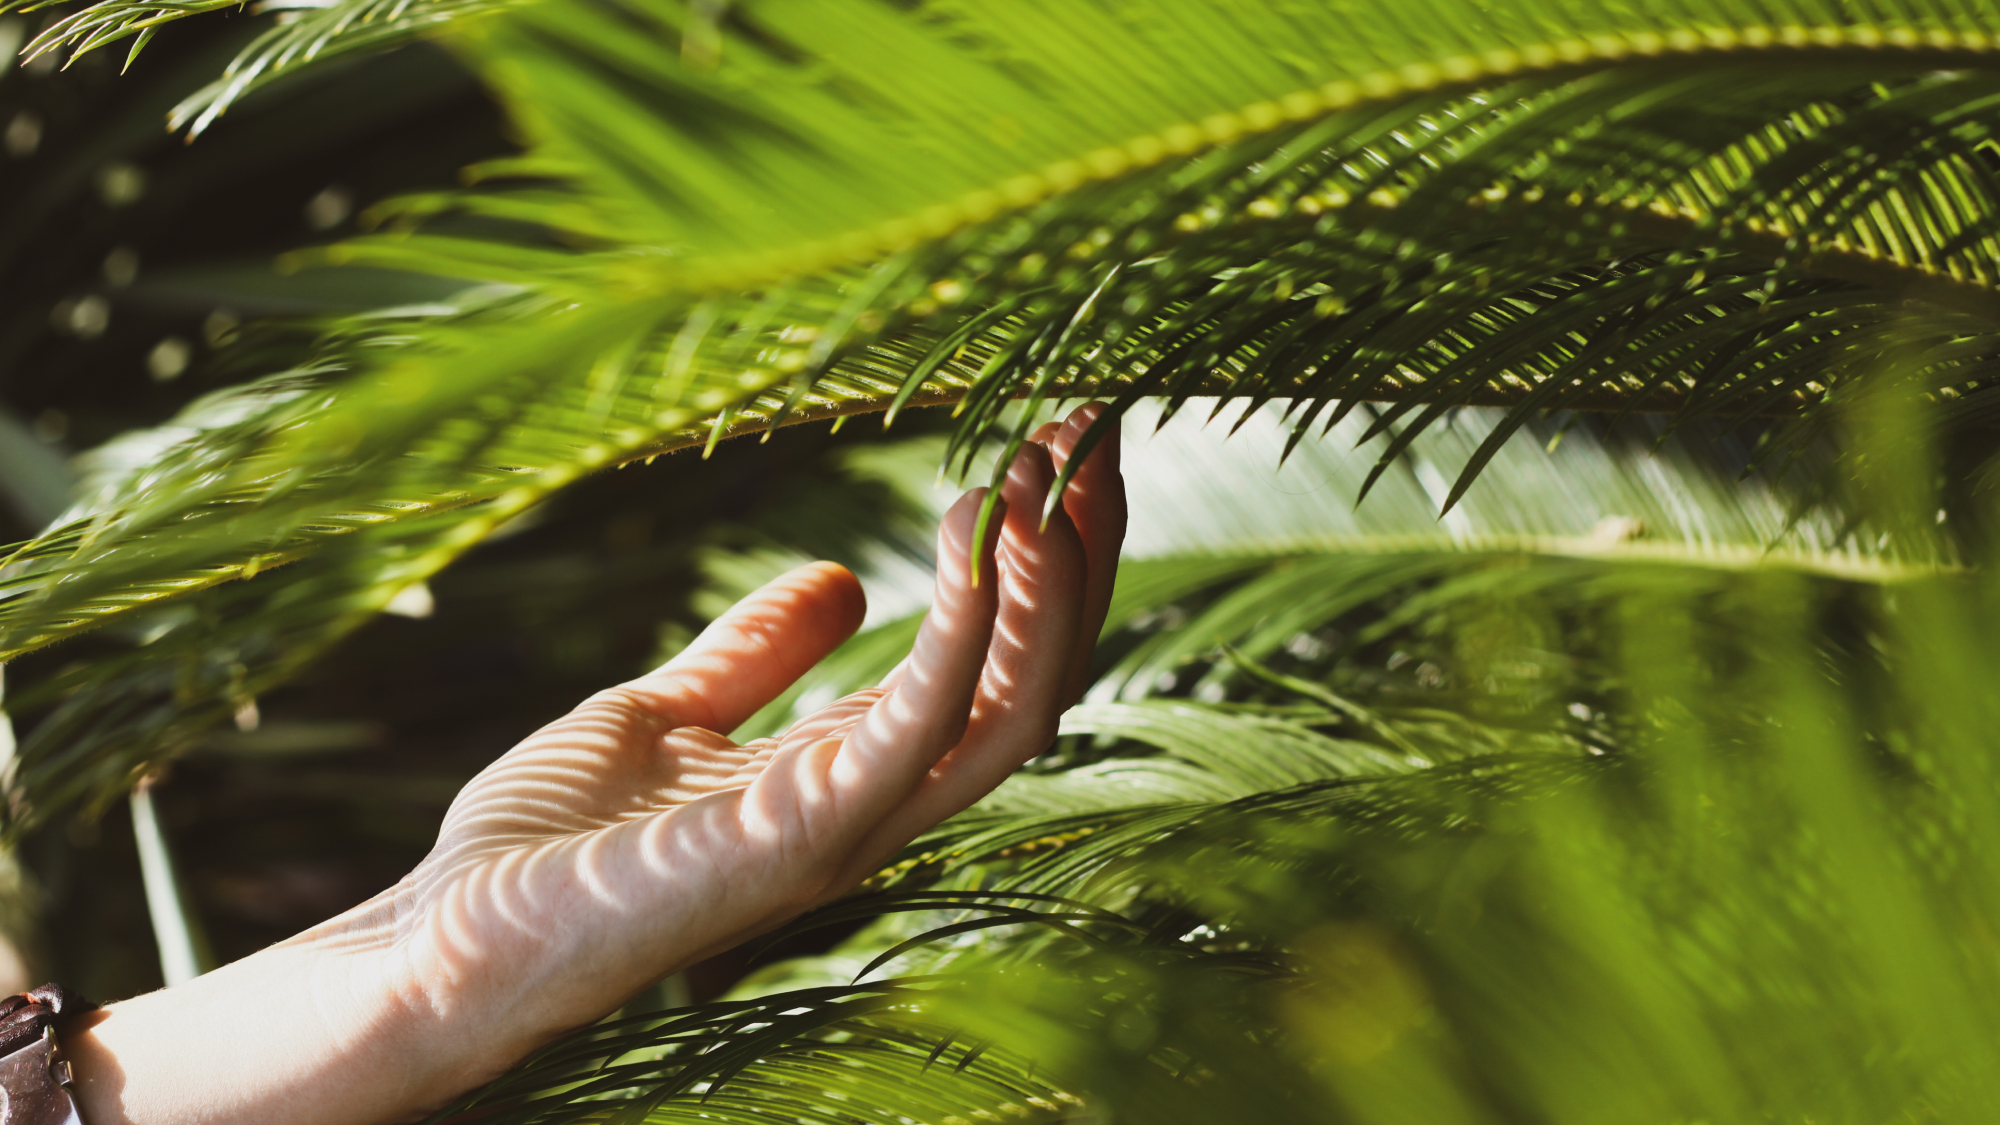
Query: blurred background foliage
[
  {"x": 140, "y": 276},
  {"x": 1623, "y": 755}
]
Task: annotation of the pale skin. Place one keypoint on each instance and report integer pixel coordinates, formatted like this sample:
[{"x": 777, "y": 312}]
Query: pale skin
[{"x": 628, "y": 839}]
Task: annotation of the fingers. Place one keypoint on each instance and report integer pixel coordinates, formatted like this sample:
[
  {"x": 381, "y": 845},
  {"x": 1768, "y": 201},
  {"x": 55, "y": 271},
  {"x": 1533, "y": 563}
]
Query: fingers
[
  {"x": 994, "y": 666},
  {"x": 1022, "y": 689},
  {"x": 909, "y": 728},
  {"x": 1042, "y": 576},
  {"x": 750, "y": 654},
  {"x": 1095, "y": 501}
]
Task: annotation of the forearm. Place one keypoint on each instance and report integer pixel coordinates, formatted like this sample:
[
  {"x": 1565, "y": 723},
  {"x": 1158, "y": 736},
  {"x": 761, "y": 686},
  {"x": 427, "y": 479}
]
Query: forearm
[{"x": 293, "y": 1034}]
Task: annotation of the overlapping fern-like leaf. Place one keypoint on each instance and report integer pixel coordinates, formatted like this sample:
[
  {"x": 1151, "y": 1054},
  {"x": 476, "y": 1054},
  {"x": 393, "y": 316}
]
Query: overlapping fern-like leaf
[
  {"x": 729, "y": 220},
  {"x": 1242, "y": 587},
  {"x": 1266, "y": 901}
]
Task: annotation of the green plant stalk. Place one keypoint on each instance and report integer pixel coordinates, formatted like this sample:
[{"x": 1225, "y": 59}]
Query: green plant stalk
[{"x": 177, "y": 930}]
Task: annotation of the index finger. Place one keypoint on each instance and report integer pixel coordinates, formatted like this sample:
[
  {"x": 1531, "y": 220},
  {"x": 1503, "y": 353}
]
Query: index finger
[
  {"x": 750, "y": 654},
  {"x": 926, "y": 711}
]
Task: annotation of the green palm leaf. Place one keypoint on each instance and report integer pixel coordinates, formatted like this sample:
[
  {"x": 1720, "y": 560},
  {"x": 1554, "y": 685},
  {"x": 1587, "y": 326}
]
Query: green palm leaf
[
  {"x": 1224, "y": 552},
  {"x": 850, "y": 204},
  {"x": 803, "y": 1057},
  {"x": 1253, "y": 900}
]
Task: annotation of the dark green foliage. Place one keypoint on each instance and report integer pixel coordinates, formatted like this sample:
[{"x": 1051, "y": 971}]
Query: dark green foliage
[{"x": 129, "y": 260}]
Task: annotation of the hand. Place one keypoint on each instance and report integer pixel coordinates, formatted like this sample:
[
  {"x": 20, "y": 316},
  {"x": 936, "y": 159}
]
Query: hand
[{"x": 629, "y": 838}]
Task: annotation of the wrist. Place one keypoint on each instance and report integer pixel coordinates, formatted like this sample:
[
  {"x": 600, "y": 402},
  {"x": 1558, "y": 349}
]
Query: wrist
[{"x": 297, "y": 1033}]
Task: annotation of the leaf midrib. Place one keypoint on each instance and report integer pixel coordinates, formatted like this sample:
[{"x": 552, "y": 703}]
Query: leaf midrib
[{"x": 1463, "y": 74}]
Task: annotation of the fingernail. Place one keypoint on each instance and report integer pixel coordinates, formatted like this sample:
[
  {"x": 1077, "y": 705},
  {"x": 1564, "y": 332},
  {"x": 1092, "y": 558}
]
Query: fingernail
[{"x": 1084, "y": 415}]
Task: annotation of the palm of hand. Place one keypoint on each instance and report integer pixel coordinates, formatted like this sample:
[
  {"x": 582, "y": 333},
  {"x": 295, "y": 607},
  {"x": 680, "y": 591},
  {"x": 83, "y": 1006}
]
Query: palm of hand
[
  {"x": 629, "y": 839},
  {"x": 575, "y": 856}
]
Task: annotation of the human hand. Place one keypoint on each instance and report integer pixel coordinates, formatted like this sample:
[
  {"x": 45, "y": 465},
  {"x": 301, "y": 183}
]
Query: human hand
[{"x": 629, "y": 838}]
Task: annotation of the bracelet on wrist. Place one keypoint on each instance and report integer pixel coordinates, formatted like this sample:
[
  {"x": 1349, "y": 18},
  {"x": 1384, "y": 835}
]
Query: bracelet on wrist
[{"x": 35, "y": 1078}]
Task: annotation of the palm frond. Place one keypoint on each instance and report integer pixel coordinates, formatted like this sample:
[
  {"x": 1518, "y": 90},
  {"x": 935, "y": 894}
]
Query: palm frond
[
  {"x": 1762, "y": 862},
  {"x": 1432, "y": 250},
  {"x": 1230, "y": 565},
  {"x": 855, "y": 205},
  {"x": 1210, "y": 514},
  {"x": 1562, "y": 936},
  {"x": 805, "y": 1056}
]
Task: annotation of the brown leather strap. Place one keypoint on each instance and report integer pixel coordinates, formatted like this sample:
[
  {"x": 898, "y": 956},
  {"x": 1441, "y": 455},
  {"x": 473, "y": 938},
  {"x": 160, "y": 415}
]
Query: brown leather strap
[
  {"x": 22, "y": 1017},
  {"x": 34, "y": 1077},
  {"x": 35, "y": 1086}
]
